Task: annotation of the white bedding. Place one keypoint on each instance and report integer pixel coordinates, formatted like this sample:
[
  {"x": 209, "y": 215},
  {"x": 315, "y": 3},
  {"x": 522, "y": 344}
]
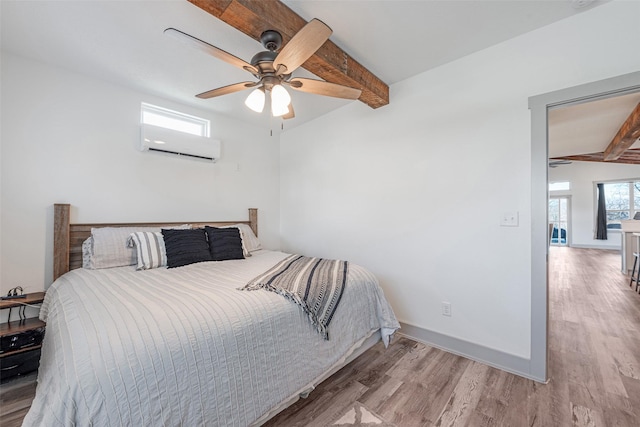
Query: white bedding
[{"x": 184, "y": 347}]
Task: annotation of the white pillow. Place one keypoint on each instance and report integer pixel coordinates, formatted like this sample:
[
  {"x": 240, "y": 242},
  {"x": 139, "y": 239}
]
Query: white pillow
[
  {"x": 249, "y": 240},
  {"x": 109, "y": 246},
  {"x": 245, "y": 251},
  {"x": 150, "y": 249}
]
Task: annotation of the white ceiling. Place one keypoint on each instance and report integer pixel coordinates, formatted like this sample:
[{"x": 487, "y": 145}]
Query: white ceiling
[
  {"x": 123, "y": 41},
  {"x": 589, "y": 128}
]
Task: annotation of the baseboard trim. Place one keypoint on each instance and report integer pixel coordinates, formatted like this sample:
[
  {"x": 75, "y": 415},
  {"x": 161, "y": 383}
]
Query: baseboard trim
[
  {"x": 489, "y": 356},
  {"x": 608, "y": 248}
]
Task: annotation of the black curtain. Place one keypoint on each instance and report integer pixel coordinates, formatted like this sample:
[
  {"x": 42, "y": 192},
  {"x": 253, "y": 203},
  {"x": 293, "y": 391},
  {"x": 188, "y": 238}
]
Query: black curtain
[{"x": 601, "y": 229}]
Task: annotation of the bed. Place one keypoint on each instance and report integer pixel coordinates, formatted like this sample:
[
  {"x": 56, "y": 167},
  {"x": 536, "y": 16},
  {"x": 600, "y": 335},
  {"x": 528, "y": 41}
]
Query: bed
[{"x": 185, "y": 346}]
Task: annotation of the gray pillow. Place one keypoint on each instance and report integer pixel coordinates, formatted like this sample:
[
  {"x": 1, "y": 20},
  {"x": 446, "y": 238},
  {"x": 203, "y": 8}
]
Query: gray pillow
[
  {"x": 150, "y": 249},
  {"x": 108, "y": 246}
]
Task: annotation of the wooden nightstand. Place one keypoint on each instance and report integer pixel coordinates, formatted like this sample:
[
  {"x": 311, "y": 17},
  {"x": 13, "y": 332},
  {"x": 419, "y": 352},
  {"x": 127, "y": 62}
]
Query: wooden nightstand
[{"x": 20, "y": 340}]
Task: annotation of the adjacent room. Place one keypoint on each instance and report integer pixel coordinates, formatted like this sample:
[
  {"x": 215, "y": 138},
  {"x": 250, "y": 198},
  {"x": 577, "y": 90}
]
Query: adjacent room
[{"x": 418, "y": 242}]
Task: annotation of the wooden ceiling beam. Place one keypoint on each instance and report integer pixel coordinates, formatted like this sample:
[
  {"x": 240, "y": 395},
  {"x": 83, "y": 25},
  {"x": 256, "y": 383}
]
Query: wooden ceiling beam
[
  {"x": 630, "y": 156},
  {"x": 330, "y": 63},
  {"x": 628, "y": 133}
]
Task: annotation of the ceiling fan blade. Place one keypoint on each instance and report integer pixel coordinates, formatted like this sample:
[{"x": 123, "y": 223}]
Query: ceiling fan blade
[
  {"x": 225, "y": 90},
  {"x": 291, "y": 114},
  {"x": 212, "y": 50},
  {"x": 320, "y": 87},
  {"x": 301, "y": 46}
]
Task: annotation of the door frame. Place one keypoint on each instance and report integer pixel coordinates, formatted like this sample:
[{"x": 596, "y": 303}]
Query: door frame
[{"x": 540, "y": 106}]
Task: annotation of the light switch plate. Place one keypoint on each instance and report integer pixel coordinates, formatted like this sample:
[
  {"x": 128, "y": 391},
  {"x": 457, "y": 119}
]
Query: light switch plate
[{"x": 509, "y": 219}]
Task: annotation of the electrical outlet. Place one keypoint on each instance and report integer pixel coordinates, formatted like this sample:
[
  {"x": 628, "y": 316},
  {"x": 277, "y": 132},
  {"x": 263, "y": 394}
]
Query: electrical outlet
[{"x": 446, "y": 308}]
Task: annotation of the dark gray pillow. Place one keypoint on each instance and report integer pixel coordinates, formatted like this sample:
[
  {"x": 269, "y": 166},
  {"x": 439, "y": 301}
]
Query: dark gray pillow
[
  {"x": 185, "y": 247},
  {"x": 224, "y": 243}
]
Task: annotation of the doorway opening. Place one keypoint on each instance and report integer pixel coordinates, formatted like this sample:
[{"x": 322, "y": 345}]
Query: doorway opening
[
  {"x": 560, "y": 217},
  {"x": 540, "y": 107}
]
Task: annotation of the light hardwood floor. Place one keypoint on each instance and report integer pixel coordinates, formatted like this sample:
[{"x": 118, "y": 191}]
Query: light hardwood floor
[
  {"x": 594, "y": 367},
  {"x": 15, "y": 399}
]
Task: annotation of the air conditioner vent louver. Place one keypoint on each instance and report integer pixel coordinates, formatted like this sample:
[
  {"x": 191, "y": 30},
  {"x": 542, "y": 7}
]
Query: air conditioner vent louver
[{"x": 182, "y": 154}]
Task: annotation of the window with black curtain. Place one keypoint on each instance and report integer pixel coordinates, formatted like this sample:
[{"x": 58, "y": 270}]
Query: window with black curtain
[{"x": 601, "y": 226}]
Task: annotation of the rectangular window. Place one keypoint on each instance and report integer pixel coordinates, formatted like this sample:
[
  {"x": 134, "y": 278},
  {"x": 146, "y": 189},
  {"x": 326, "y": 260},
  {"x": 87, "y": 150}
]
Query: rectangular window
[
  {"x": 175, "y": 120},
  {"x": 560, "y": 186},
  {"x": 622, "y": 200}
]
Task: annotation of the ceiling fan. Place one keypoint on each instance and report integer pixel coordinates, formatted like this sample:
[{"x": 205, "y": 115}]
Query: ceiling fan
[
  {"x": 273, "y": 69},
  {"x": 554, "y": 163}
]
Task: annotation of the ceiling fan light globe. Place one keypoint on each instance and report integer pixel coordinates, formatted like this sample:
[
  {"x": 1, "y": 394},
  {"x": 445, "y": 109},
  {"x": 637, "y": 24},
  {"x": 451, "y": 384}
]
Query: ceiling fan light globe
[
  {"x": 255, "y": 101},
  {"x": 280, "y": 96},
  {"x": 278, "y": 110}
]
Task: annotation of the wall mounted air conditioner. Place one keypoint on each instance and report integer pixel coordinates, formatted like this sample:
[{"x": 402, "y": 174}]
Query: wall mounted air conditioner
[{"x": 168, "y": 141}]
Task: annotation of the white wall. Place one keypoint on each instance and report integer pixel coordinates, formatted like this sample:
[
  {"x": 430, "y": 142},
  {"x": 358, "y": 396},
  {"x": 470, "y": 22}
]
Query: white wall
[
  {"x": 67, "y": 138},
  {"x": 415, "y": 190},
  {"x": 582, "y": 176}
]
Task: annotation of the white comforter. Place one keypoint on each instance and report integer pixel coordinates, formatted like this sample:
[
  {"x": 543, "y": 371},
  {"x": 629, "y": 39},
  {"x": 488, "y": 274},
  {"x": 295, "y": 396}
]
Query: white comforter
[{"x": 184, "y": 347}]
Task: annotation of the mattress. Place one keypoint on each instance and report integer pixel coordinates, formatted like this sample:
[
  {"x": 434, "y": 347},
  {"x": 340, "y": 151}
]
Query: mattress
[{"x": 184, "y": 346}]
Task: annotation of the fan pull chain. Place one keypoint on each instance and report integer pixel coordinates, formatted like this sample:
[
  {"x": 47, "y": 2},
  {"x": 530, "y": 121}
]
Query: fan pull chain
[{"x": 271, "y": 126}]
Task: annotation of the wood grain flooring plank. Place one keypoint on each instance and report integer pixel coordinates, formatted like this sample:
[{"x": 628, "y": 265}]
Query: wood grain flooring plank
[
  {"x": 380, "y": 392},
  {"x": 478, "y": 419},
  {"x": 415, "y": 360},
  {"x": 465, "y": 397},
  {"x": 577, "y": 368},
  {"x": 15, "y": 399},
  {"x": 324, "y": 405},
  {"x": 606, "y": 366},
  {"x": 607, "y": 405},
  {"x": 338, "y": 404},
  {"x": 585, "y": 417},
  {"x": 630, "y": 406},
  {"x": 372, "y": 365},
  {"x": 14, "y": 419},
  {"x": 624, "y": 357},
  {"x": 409, "y": 405},
  {"x": 379, "y": 366},
  {"x": 422, "y": 397},
  {"x": 569, "y": 336},
  {"x": 548, "y": 404},
  {"x": 618, "y": 418},
  {"x": 505, "y": 398}
]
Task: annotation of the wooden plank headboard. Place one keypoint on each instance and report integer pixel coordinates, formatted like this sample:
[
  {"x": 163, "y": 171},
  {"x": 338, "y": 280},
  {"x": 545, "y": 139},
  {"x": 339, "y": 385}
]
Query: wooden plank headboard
[{"x": 68, "y": 238}]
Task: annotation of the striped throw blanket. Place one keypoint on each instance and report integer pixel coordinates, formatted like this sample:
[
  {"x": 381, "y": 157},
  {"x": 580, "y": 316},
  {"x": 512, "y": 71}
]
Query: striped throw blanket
[{"x": 315, "y": 284}]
